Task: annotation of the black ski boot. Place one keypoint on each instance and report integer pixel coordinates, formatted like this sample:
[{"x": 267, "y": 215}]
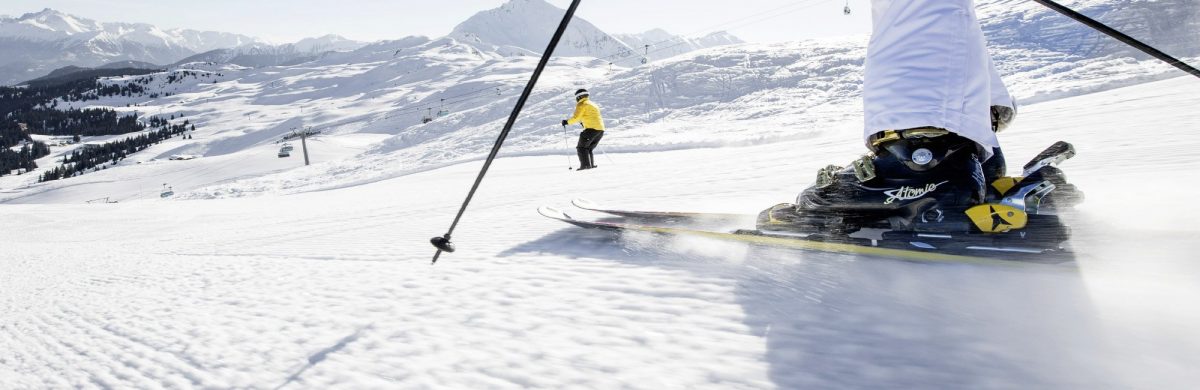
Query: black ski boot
[
  {"x": 914, "y": 175},
  {"x": 585, "y": 159},
  {"x": 927, "y": 185}
]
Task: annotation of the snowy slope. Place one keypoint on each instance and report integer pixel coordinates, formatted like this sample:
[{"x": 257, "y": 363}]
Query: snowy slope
[
  {"x": 332, "y": 289},
  {"x": 262, "y": 273},
  {"x": 1169, "y": 25},
  {"x": 757, "y": 93},
  {"x": 1034, "y": 46}
]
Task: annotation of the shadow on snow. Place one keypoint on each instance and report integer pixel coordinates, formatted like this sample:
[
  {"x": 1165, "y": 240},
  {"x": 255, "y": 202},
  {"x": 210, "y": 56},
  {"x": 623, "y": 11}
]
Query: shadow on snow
[{"x": 839, "y": 321}]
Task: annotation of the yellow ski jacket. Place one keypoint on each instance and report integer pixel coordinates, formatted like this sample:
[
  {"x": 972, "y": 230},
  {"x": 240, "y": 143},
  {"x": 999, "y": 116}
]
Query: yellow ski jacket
[{"x": 588, "y": 113}]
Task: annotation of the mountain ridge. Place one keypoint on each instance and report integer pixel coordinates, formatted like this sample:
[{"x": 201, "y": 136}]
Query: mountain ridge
[{"x": 35, "y": 43}]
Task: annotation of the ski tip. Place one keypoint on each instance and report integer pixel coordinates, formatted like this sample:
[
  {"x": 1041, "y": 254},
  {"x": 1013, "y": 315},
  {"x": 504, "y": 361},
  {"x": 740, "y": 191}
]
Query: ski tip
[
  {"x": 585, "y": 204},
  {"x": 551, "y": 212}
]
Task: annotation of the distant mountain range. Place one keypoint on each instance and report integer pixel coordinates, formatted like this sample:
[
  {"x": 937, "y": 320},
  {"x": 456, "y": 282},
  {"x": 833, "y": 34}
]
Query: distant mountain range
[
  {"x": 524, "y": 27},
  {"x": 71, "y": 73},
  {"x": 34, "y": 44}
]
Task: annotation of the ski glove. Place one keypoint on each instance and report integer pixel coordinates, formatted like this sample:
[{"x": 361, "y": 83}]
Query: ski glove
[{"x": 564, "y": 123}]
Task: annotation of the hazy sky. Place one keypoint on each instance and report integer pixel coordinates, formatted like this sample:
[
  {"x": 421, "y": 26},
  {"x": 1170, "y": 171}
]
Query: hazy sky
[{"x": 287, "y": 21}]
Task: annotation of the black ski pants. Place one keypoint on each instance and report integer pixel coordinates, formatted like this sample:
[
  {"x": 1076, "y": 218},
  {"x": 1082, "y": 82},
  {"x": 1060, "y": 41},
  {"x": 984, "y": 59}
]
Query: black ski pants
[{"x": 588, "y": 140}]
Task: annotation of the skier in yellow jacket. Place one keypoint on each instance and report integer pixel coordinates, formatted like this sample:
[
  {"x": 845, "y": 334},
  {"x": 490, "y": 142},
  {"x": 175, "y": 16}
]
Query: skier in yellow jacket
[{"x": 588, "y": 113}]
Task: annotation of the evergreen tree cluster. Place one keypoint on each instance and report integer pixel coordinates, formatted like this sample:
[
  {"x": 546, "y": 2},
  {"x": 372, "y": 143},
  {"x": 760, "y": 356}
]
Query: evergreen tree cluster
[
  {"x": 137, "y": 87},
  {"x": 89, "y": 122},
  {"x": 14, "y": 99},
  {"x": 180, "y": 76},
  {"x": 129, "y": 89},
  {"x": 12, "y": 135},
  {"x": 27, "y": 105},
  {"x": 96, "y": 157},
  {"x": 23, "y": 159},
  {"x": 43, "y": 94}
]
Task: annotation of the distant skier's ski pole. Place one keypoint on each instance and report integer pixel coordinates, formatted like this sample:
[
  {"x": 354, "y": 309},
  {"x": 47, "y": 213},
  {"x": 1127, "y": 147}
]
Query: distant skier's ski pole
[
  {"x": 1120, "y": 36},
  {"x": 605, "y": 153},
  {"x": 443, "y": 243},
  {"x": 567, "y": 143}
]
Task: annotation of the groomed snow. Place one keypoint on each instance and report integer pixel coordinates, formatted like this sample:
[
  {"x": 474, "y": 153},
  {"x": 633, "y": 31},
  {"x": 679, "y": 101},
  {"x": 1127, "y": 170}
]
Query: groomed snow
[
  {"x": 263, "y": 273},
  {"x": 333, "y": 288}
]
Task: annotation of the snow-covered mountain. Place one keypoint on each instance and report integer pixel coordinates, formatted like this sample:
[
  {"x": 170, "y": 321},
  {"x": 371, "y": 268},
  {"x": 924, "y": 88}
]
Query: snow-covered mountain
[
  {"x": 260, "y": 55},
  {"x": 330, "y": 42},
  {"x": 53, "y": 25},
  {"x": 1034, "y": 46},
  {"x": 35, "y": 43},
  {"x": 523, "y": 27},
  {"x": 1170, "y": 25},
  {"x": 253, "y": 56},
  {"x": 662, "y": 44}
]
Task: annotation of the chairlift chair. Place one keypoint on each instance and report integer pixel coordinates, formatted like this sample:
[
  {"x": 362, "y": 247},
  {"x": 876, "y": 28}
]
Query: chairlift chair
[
  {"x": 846, "y": 10},
  {"x": 428, "y": 116}
]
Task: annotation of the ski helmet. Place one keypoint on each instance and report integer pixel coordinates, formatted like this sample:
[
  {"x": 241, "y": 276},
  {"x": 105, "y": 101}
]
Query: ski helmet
[{"x": 581, "y": 93}]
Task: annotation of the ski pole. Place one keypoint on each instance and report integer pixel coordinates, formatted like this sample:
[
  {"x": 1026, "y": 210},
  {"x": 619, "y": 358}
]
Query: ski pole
[
  {"x": 567, "y": 143},
  {"x": 606, "y": 157},
  {"x": 443, "y": 243},
  {"x": 1128, "y": 40}
]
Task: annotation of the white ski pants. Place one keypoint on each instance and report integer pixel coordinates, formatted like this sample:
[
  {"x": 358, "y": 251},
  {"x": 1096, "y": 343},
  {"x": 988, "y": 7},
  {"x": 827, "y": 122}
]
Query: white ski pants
[{"x": 928, "y": 65}]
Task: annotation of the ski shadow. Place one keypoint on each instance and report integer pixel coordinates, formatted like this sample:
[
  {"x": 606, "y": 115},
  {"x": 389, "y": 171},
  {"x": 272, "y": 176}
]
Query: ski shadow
[{"x": 841, "y": 321}]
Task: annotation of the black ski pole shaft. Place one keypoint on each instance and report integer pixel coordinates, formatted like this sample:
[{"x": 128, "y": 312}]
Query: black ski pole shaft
[
  {"x": 443, "y": 243},
  {"x": 1093, "y": 23}
]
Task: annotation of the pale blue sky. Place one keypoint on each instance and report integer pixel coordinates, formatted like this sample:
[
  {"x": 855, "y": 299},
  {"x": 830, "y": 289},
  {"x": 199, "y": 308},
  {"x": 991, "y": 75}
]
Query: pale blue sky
[{"x": 369, "y": 20}]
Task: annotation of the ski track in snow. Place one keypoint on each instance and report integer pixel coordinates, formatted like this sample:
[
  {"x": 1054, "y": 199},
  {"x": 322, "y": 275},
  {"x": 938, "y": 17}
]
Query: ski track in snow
[{"x": 333, "y": 289}]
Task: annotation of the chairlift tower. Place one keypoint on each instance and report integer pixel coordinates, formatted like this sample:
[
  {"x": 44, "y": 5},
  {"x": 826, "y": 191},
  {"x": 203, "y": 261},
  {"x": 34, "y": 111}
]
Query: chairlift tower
[
  {"x": 443, "y": 111},
  {"x": 304, "y": 144}
]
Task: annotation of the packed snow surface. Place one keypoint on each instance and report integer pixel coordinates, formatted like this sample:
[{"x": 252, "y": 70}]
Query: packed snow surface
[{"x": 334, "y": 288}]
